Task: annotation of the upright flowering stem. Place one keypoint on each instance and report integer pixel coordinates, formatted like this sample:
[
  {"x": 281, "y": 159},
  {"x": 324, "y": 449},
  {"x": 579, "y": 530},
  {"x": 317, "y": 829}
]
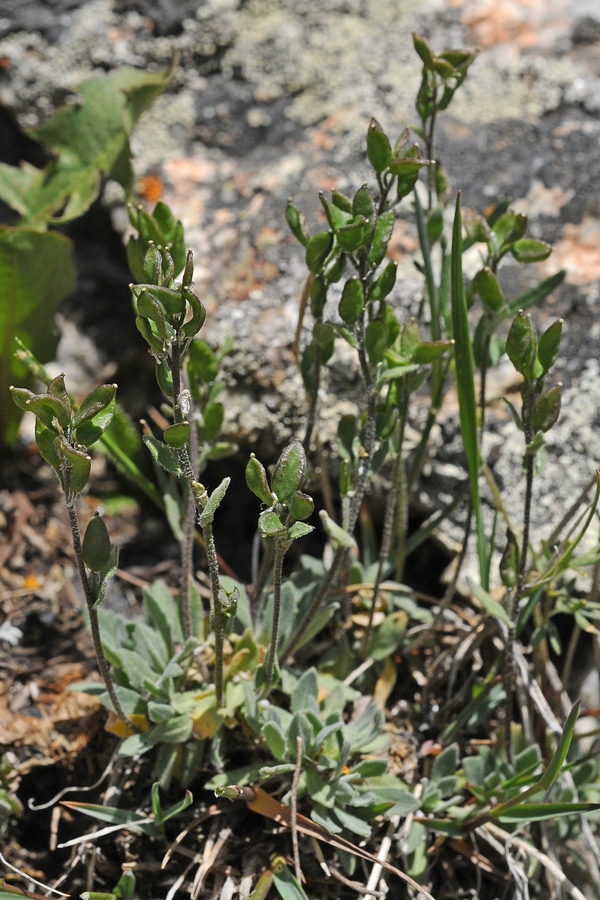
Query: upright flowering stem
[
  {"x": 281, "y": 548},
  {"x": 93, "y": 614},
  {"x": 201, "y": 499}
]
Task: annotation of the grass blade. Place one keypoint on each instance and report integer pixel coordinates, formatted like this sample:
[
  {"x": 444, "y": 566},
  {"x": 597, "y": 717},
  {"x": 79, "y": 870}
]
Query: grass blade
[
  {"x": 465, "y": 385},
  {"x": 535, "y": 295}
]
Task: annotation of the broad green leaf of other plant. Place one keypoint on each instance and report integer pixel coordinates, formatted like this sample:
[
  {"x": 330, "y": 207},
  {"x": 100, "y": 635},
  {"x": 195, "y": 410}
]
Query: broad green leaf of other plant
[
  {"x": 90, "y": 138},
  {"x": 37, "y": 271}
]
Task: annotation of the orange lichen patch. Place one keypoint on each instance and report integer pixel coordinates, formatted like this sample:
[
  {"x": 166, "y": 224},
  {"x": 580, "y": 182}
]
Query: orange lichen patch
[
  {"x": 150, "y": 187},
  {"x": 520, "y": 23},
  {"x": 543, "y": 201},
  {"x": 187, "y": 170},
  {"x": 249, "y": 273},
  {"x": 578, "y": 252}
]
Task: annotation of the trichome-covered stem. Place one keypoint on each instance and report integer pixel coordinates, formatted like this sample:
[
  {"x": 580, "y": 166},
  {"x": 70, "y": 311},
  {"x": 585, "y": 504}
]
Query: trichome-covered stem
[
  {"x": 515, "y": 601},
  {"x": 280, "y": 551},
  {"x": 188, "y": 473},
  {"x": 93, "y": 614},
  {"x": 396, "y": 500}
]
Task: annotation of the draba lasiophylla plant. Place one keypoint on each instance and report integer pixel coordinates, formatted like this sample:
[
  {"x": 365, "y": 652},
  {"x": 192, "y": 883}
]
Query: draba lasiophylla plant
[{"x": 290, "y": 693}]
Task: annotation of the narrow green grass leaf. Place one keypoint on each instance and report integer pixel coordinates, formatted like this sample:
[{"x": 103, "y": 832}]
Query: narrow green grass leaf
[
  {"x": 535, "y": 295},
  {"x": 286, "y": 883},
  {"x": 465, "y": 385},
  {"x": 538, "y": 812}
]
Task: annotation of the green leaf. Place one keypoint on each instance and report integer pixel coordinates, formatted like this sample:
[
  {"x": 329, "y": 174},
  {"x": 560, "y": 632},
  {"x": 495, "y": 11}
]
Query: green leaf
[
  {"x": 175, "y": 730},
  {"x": 256, "y": 479},
  {"x": 304, "y": 695},
  {"x": 363, "y": 204},
  {"x": 299, "y": 530},
  {"x": 165, "y": 456},
  {"x": 275, "y": 740},
  {"x": 491, "y": 606},
  {"x": 379, "y": 151},
  {"x": 446, "y": 763},
  {"x": 96, "y": 544},
  {"x": 45, "y": 439},
  {"x": 350, "y": 237},
  {"x": 352, "y": 823},
  {"x": 335, "y": 216},
  {"x": 537, "y": 294},
  {"x": 527, "y": 250},
  {"x": 486, "y": 285},
  {"x": 214, "y": 502},
  {"x": 386, "y": 281},
  {"x": 270, "y": 525},
  {"x": 300, "y": 505},
  {"x": 286, "y": 883},
  {"x": 160, "y": 609},
  {"x": 549, "y": 345},
  {"x": 341, "y": 201},
  {"x": 47, "y": 408},
  {"x": 376, "y": 341},
  {"x": 428, "y": 351},
  {"x": 128, "y": 818},
  {"x": 192, "y": 326},
  {"x": 173, "y": 302},
  {"x": 160, "y": 712},
  {"x": 93, "y": 428},
  {"x": 317, "y": 250},
  {"x": 90, "y": 139},
  {"x": 546, "y": 410},
  {"x": 352, "y": 301},
  {"x": 560, "y": 754},
  {"x": 335, "y": 533},
  {"x": 423, "y": 50},
  {"x": 95, "y": 402},
  {"x": 177, "y": 435},
  {"x": 297, "y": 224},
  {"x": 80, "y": 464},
  {"x": 37, "y": 271},
  {"x": 521, "y": 344},
  {"x": 289, "y": 472},
  {"x": 125, "y": 887},
  {"x": 538, "y": 812},
  {"x": 381, "y": 237}
]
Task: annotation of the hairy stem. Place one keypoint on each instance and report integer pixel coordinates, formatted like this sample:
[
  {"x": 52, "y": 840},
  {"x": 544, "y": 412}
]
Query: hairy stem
[
  {"x": 216, "y": 609},
  {"x": 188, "y": 473},
  {"x": 93, "y": 613},
  {"x": 515, "y": 600},
  {"x": 280, "y": 551},
  {"x": 314, "y": 399},
  {"x": 397, "y": 496},
  {"x": 201, "y": 499}
]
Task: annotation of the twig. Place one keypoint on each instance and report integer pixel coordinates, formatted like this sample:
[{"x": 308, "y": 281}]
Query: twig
[
  {"x": 294, "y": 808},
  {"x": 382, "y": 855},
  {"x": 528, "y": 848},
  {"x": 30, "y": 878},
  {"x": 93, "y": 614},
  {"x": 31, "y": 802},
  {"x": 280, "y": 551},
  {"x": 355, "y": 885}
]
